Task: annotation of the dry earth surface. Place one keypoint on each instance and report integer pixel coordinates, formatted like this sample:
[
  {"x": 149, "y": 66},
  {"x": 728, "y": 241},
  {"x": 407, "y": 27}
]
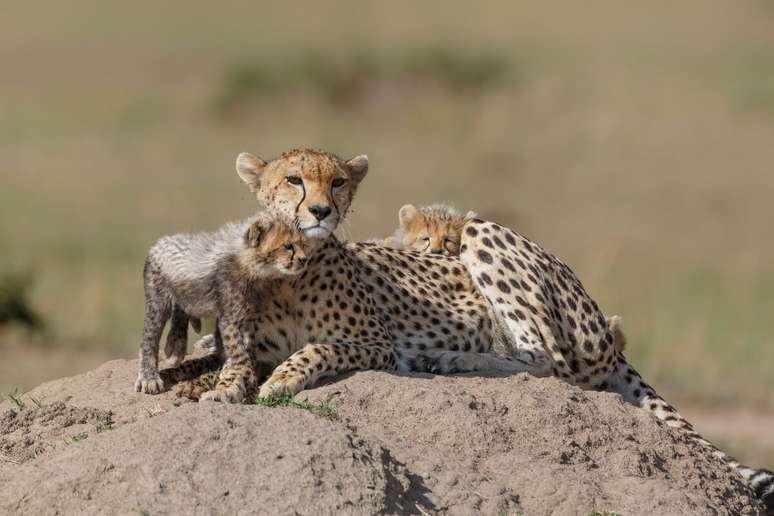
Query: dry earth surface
[{"x": 395, "y": 444}]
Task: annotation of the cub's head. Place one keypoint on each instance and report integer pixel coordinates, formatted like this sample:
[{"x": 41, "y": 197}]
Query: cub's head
[
  {"x": 274, "y": 248},
  {"x": 431, "y": 229},
  {"x": 313, "y": 188}
]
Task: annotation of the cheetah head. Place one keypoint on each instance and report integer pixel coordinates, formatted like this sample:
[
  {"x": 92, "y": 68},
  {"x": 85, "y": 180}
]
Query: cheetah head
[
  {"x": 431, "y": 229},
  {"x": 313, "y": 188},
  {"x": 274, "y": 248}
]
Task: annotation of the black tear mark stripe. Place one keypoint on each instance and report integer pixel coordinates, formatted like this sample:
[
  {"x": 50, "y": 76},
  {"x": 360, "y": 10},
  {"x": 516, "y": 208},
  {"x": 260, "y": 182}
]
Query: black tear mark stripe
[
  {"x": 303, "y": 189},
  {"x": 333, "y": 202}
]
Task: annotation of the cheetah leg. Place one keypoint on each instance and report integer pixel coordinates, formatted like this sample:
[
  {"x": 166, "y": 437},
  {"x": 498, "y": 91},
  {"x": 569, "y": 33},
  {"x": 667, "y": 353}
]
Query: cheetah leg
[
  {"x": 314, "y": 361},
  {"x": 519, "y": 307},
  {"x": 237, "y": 378},
  {"x": 177, "y": 338},
  {"x": 156, "y": 315},
  {"x": 627, "y": 382},
  {"x": 450, "y": 362}
]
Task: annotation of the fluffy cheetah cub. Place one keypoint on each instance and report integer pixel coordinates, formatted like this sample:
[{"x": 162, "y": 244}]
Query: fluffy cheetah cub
[
  {"x": 209, "y": 274},
  {"x": 437, "y": 229},
  {"x": 429, "y": 229}
]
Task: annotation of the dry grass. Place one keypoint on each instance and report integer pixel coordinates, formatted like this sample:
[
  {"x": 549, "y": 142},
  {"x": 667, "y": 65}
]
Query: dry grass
[{"x": 632, "y": 140}]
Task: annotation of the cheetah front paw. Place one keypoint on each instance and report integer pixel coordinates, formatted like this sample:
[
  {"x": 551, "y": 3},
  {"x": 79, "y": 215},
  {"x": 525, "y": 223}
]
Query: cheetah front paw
[
  {"x": 150, "y": 385},
  {"x": 231, "y": 394},
  {"x": 281, "y": 385}
]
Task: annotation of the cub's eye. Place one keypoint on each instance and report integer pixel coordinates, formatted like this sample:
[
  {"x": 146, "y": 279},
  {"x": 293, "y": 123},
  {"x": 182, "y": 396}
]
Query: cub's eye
[
  {"x": 294, "y": 180},
  {"x": 425, "y": 239},
  {"x": 339, "y": 181},
  {"x": 288, "y": 247}
]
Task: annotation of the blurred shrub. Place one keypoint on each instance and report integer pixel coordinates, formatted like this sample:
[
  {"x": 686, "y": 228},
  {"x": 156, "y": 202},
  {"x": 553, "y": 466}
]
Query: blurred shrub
[
  {"x": 347, "y": 81},
  {"x": 14, "y": 306}
]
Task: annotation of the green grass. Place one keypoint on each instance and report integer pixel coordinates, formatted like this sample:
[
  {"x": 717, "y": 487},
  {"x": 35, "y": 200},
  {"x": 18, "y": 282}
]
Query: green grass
[
  {"x": 15, "y": 398},
  {"x": 345, "y": 81},
  {"x": 104, "y": 424},
  {"x": 324, "y": 409},
  {"x": 80, "y": 436}
]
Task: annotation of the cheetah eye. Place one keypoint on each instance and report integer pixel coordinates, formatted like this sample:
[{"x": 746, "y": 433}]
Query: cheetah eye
[
  {"x": 294, "y": 180},
  {"x": 425, "y": 239},
  {"x": 288, "y": 247},
  {"x": 338, "y": 182}
]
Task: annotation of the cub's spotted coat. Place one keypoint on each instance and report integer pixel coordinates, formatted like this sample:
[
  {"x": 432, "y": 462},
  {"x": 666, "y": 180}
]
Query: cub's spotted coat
[{"x": 214, "y": 274}]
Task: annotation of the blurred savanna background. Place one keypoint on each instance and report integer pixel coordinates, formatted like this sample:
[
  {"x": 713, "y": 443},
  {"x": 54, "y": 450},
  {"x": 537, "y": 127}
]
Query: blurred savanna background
[{"x": 634, "y": 140}]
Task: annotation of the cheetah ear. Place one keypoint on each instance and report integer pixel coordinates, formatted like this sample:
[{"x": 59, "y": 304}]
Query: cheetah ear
[
  {"x": 254, "y": 234},
  {"x": 471, "y": 215},
  {"x": 406, "y": 214},
  {"x": 249, "y": 168},
  {"x": 358, "y": 168}
]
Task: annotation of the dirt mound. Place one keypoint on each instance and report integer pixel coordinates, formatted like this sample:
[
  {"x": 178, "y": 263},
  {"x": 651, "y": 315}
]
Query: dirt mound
[
  {"x": 26, "y": 433},
  {"x": 396, "y": 444}
]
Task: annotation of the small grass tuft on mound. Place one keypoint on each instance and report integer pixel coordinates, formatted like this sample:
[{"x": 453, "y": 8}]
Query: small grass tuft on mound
[{"x": 323, "y": 409}]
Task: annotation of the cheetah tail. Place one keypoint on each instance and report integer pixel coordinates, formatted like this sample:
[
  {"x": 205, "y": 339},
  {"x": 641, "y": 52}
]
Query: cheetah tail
[
  {"x": 191, "y": 369},
  {"x": 627, "y": 382}
]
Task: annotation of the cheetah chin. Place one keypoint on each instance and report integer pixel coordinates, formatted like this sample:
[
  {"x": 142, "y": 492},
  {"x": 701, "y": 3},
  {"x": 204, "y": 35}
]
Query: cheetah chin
[{"x": 319, "y": 231}]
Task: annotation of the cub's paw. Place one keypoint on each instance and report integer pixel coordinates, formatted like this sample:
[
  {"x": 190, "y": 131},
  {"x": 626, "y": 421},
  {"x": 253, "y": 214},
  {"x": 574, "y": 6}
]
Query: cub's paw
[
  {"x": 151, "y": 385},
  {"x": 281, "y": 384},
  {"x": 232, "y": 394}
]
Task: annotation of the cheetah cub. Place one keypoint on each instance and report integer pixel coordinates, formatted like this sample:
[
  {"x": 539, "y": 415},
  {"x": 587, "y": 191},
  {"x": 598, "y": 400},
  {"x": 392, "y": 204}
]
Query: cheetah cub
[
  {"x": 429, "y": 229},
  {"x": 201, "y": 275},
  {"x": 437, "y": 229}
]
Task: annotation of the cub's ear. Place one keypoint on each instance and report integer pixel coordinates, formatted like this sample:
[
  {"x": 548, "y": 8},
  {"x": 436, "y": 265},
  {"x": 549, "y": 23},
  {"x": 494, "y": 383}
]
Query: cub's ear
[
  {"x": 249, "y": 168},
  {"x": 255, "y": 234},
  {"x": 358, "y": 167},
  {"x": 406, "y": 214}
]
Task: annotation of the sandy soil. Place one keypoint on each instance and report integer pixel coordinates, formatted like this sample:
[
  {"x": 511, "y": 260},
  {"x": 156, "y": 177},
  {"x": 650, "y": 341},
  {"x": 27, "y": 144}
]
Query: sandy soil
[{"x": 396, "y": 445}]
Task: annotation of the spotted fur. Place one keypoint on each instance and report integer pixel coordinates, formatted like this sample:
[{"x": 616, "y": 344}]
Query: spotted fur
[
  {"x": 505, "y": 304},
  {"x": 429, "y": 229},
  {"x": 208, "y": 274},
  {"x": 547, "y": 313},
  {"x": 313, "y": 188}
]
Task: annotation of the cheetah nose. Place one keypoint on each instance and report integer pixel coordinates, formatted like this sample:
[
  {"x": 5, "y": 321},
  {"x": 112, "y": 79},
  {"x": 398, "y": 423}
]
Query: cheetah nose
[
  {"x": 436, "y": 251},
  {"x": 320, "y": 212}
]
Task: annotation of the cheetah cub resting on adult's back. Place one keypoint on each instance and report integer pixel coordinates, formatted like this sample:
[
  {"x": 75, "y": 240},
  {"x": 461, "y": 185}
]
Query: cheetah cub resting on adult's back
[
  {"x": 211, "y": 274},
  {"x": 429, "y": 229},
  {"x": 437, "y": 229}
]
